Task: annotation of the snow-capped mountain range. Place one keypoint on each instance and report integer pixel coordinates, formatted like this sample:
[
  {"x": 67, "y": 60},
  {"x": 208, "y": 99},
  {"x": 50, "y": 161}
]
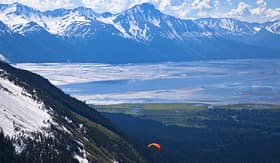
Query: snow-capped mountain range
[
  {"x": 141, "y": 28},
  {"x": 142, "y": 22}
]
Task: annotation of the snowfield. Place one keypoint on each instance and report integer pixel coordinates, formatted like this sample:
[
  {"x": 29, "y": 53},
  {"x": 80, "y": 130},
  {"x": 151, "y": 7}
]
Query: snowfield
[{"x": 20, "y": 115}]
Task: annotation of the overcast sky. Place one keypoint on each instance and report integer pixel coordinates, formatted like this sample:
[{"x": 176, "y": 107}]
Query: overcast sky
[{"x": 249, "y": 10}]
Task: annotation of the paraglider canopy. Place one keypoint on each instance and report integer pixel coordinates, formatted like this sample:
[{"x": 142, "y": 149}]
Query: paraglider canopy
[{"x": 156, "y": 145}]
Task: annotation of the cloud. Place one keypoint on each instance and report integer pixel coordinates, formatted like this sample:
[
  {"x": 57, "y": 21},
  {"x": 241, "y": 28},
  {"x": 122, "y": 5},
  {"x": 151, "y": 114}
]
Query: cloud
[
  {"x": 201, "y": 4},
  {"x": 261, "y": 2},
  {"x": 259, "y": 13},
  {"x": 263, "y": 11},
  {"x": 116, "y": 6},
  {"x": 106, "y": 5},
  {"x": 266, "y": 12},
  {"x": 243, "y": 9},
  {"x": 45, "y": 4},
  {"x": 273, "y": 13},
  {"x": 229, "y": 2}
]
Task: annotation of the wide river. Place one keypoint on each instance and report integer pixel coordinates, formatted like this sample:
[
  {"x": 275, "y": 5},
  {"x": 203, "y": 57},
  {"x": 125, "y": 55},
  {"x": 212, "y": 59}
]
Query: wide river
[{"x": 215, "y": 82}]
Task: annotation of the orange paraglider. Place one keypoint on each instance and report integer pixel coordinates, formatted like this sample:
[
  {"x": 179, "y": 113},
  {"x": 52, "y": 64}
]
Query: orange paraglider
[{"x": 156, "y": 145}]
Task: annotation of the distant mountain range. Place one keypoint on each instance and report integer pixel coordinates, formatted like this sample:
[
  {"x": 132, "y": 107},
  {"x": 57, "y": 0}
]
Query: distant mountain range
[{"x": 139, "y": 34}]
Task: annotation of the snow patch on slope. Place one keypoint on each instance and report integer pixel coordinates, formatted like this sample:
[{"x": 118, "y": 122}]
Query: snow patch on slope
[
  {"x": 118, "y": 26},
  {"x": 13, "y": 21},
  {"x": 137, "y": 32},
  {"x": 20, "y": 115},
  {"x": 155, "y": 22},
  {"x": 81, "y": 159},
  {"x": 59, "y": 25}
]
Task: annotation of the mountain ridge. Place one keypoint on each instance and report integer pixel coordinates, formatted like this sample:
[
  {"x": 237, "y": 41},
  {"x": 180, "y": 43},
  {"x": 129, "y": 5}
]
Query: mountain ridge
[{"x": 139, "y": 34}]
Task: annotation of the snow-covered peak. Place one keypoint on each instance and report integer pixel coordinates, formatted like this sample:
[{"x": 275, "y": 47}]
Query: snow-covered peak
[
  {"x": 18, "y": 16},
  {"x": 142, "y": 12},
  {"x": 144, "y": 7},
  {"x": 18, "y": 9},
  {"x": 144, "y": 23},
  {"x": 87, "y": 12},
  {"x": 22, "y": 19},
  {"x": 59, "y": 25}
]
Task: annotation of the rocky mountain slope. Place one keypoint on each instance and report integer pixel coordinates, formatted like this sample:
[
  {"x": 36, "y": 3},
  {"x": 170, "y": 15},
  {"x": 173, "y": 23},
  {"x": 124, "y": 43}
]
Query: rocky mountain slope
[{"x": 40, "y": 123}]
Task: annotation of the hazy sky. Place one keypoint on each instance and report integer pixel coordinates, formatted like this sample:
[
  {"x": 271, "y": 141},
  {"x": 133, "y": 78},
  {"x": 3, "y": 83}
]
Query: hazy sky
[{"x": 250, "y": 10}]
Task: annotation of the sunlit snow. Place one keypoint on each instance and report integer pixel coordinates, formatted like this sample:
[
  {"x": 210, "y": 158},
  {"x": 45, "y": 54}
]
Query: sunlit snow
[{"x": 19, "y": 112}]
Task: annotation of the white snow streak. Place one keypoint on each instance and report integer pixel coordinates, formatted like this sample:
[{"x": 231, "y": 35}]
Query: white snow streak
[{"x": 19, "y": 112}]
